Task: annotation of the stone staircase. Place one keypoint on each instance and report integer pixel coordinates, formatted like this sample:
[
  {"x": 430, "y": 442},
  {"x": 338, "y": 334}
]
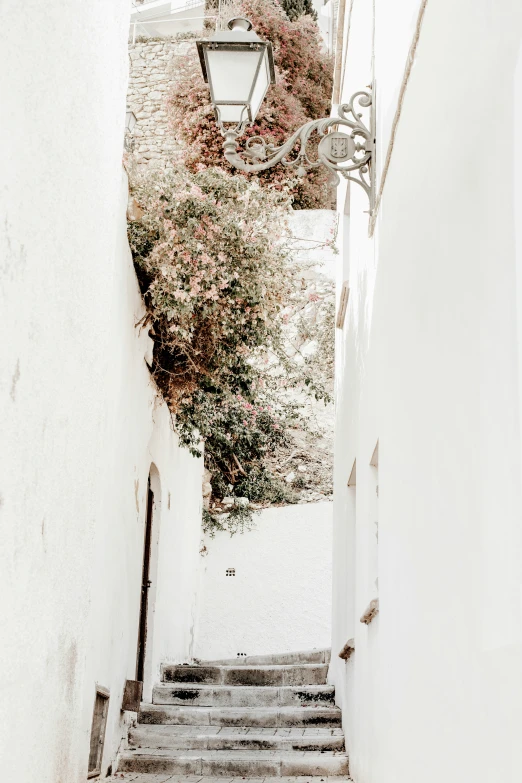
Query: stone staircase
[{"x": 264, "y": 716}]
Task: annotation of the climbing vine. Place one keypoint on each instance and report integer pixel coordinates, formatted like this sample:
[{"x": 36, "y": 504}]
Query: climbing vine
[{"x": 213, "y": 259}]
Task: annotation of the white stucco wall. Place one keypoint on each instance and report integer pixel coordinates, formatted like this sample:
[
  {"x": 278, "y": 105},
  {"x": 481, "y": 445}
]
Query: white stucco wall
[
  {"x": 80, "y": 421},
  {"x": 139, "y": 439},
  {"x": 429, "y": 364},
  {"x": 280, "y": 598}
]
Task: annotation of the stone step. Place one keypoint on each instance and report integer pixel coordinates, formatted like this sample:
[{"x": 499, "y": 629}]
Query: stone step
[
  {"x": 234, "y": 763},
  {"x": 305, "y": 656},
  {"x": 269, "y": 717},
  {"x": 284, "y": 674},
  {"x": 145, "y": 777},
  {"x": 217, "y": 738},
  {"x": 243, "y": 696}
]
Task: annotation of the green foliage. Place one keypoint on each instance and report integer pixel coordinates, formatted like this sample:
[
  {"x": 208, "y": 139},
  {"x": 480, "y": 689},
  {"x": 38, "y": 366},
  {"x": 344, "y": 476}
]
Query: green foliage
[
  {"x": 238, "y": 435},
  {"x": 214, "y": 267},
  {"x": 262, "y": 487},
  {"x": 296, "y": 8},
  {"x": 237, "y": 520},
  {"x": 215, "y": 276}
]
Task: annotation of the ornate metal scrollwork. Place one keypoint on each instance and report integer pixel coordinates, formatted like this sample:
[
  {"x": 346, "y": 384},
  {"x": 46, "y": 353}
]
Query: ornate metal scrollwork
[{"x": 348, "y": 154}]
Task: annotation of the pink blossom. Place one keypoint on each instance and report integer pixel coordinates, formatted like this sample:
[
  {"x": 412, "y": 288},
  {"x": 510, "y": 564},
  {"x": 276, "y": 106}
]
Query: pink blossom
[{"x": 196, "y": 191}]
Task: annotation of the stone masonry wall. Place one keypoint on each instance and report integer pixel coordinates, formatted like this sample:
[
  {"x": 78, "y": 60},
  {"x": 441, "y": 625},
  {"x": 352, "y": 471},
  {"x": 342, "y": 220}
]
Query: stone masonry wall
[{"x": 152, "y": 65}]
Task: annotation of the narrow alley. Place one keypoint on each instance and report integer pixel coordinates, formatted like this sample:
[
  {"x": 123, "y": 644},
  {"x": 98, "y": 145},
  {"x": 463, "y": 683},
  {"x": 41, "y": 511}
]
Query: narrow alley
[{"x": 261, "y": 391}]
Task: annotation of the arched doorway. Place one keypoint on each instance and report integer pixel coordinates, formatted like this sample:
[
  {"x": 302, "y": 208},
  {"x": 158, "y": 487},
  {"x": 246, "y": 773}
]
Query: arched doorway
[
  {"x": 148, "y": 576},
  {"x": 145, "y": 585}
]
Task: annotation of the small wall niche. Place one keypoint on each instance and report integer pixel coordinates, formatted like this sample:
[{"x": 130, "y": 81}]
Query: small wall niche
[
  {"x": 99, "y": 723},
  {"x": 373, "y": 505},
  {"x": 352, "y": 479},
  {"x": 374, "y": 462}
]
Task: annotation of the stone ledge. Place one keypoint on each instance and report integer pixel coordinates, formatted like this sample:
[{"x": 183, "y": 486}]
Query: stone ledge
[
  {"x": 372, "y": 610},
  {"x": 347, "y": 650}
]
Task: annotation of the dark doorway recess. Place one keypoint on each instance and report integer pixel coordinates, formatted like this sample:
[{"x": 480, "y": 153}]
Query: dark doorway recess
[
  {"x": 145, "y": 584},
  {"x": 99, "y": 722}
]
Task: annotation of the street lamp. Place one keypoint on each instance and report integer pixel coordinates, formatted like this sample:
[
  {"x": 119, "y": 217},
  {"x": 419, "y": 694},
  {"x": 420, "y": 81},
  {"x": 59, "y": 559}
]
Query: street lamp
[{"x": 239, "y": 67}]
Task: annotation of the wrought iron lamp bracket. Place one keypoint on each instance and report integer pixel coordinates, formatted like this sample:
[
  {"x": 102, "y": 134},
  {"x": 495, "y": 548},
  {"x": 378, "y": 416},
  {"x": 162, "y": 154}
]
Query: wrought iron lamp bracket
[{"x": 349, "y": 154}]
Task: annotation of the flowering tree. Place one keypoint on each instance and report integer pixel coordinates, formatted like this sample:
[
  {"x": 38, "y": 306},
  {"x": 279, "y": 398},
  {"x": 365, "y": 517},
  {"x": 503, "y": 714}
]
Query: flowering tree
[
  {"x": 201, "y": 246},
  {"x": 212, "y": 256},
  {"x": 215, "y": 275},
  {"x": 302, "y": 92}
]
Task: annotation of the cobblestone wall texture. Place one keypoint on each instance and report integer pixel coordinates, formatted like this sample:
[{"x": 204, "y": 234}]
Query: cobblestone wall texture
[{"x": 152, "y": 67}]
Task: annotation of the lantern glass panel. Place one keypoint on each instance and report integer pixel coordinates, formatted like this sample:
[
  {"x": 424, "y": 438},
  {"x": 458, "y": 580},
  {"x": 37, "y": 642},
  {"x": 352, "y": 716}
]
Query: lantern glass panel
[
  {"x": 232, "y": 73},
  {"x": 261, "y": 85}
]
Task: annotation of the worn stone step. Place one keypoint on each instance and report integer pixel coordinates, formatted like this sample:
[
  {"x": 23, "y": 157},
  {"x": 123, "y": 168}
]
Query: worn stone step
[
  {"x": 284, "y": 674},
  {"x": 145, "y": 777},
  {"x": 303, "y": 656},
  {"x": 218, "y": 738},
  {"x": 274, "y": 717},
  {"x": 242, "y": 696},
  {"x": 234, "y": 763}
]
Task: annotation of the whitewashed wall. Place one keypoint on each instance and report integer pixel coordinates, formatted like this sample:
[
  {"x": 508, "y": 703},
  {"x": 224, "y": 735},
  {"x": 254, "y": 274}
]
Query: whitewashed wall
[
  {"x": 429, "y": 364},
  {"x": 80, "y": 421},
  {"x": 280, "y": 598}
]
